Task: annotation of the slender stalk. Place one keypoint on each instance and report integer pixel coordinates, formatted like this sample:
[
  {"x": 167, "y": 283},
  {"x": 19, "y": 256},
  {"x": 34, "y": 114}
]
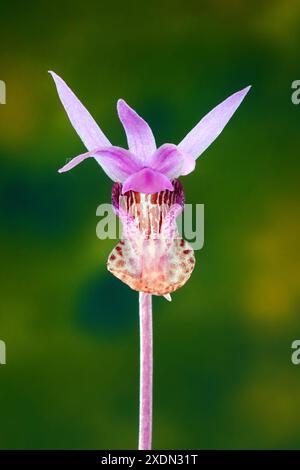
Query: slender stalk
[{"x": 146, "y": 371}]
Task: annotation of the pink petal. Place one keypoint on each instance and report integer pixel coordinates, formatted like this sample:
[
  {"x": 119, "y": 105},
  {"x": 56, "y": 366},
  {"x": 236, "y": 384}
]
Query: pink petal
[
  {"x": 85, "y": 126},
  {"x": 189, "y": 164},
  {"x": 208, "y": 129},
  {"x": 147, "y": 181},
  {"x": 117, "y": 163},
  {"x": 75, "y": 161},
  {"x": 168, "y": 160},
  {"x": 140, "y": 138}
]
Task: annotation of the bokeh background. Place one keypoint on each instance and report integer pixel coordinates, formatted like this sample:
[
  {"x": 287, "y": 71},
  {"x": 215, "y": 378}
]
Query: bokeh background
[{"x": 223, "y": 372}]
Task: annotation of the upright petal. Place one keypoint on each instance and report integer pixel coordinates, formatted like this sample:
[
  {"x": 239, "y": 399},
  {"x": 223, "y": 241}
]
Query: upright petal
[
  {"x": 84, "y": 124},
  {"x": 140, "y": 138},
  {"x": 117, "y": 163},
  {"x": 208, "y": 129}
]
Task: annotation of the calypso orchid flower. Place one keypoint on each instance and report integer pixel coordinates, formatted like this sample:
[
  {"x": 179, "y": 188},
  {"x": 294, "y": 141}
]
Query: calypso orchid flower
[{"x": 151, "y": 257}]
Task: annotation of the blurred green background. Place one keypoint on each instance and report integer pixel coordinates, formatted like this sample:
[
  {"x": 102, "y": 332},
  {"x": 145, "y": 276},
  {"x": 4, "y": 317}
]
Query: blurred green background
[{"x": 223, "y": 372}]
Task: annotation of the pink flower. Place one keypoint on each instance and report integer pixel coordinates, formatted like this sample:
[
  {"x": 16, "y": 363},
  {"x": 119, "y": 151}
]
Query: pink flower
[
  {"x": 147, "y": 195},
  {"x": 151, "y": 257}
]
